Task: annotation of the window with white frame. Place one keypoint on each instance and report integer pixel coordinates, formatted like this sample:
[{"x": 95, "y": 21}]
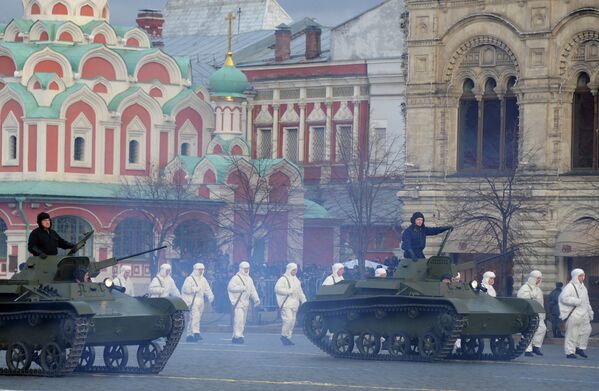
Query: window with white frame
[
  {"x": 10, "y": 141},
  {"x": 345, "y": 142},
  {"x": 291, "y": 144},
  {"x": 265, "y": 139},
  {"x": 81, "y": 145},
  {"x": 317, "y": 144},
  {"x": 379, "y": 149},
  {"x": 136, "y": 144}
]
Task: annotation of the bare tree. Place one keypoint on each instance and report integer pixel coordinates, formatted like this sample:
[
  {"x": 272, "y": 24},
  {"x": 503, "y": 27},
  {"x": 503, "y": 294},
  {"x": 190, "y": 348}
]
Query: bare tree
[
  {"x": 258, "y": 204},
  {"x": 366, "y": 195},
  {"x": 161, "y": 200},
  {"x": 495, "y": 215}
]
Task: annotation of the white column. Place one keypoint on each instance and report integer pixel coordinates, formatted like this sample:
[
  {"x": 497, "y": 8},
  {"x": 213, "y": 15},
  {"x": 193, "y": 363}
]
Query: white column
[
  {"x": 117, "y": 150},
  {"x": 329, "y": 125},
  {"x": 25, "y": 154},
  {"x": 61, "y": 146},
  {"x": 249, "y": 128},
  {"x": 42, "y": 141},
  {"x": 100, "y": 150},
  {"x": 356, "y": 126}
]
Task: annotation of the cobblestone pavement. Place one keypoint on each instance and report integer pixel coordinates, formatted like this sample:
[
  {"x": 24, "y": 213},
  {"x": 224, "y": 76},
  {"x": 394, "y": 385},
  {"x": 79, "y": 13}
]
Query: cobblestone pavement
[{"x": 264, "y": 364}]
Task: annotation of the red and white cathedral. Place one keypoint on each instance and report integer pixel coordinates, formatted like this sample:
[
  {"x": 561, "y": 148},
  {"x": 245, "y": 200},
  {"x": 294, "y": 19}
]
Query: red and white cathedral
[{"x": 86, "y": 105}]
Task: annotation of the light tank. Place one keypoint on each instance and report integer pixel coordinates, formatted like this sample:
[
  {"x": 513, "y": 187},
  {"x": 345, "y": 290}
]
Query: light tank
[
  {"x": 51, "y": 325},
  {"x": 414, "y": 316}
]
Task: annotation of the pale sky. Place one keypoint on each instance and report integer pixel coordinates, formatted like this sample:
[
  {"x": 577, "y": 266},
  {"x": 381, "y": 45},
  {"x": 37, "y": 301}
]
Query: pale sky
[{"x": 123, "y": 12}]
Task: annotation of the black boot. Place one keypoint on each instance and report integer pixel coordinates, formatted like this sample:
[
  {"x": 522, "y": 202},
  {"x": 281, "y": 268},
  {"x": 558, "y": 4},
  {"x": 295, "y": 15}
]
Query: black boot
[
  {"x": 190, "y": 338},
  {"x": 198, "y": 337},
  {"x": 571, "y": 356},
  {"x": 536, "y": 350},
  {"x": 286, "y": 341},
  {"x": 529, "y": 354},
  {"x": 581, "y": 353}
]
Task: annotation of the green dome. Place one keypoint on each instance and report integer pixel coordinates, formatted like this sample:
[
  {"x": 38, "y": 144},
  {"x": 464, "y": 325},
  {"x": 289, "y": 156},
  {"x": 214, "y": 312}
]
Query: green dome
[{"x": 228, "y": 81}]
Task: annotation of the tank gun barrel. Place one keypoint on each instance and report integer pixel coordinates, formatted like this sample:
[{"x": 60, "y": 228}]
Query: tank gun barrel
[{"x": 96, "y": 267}]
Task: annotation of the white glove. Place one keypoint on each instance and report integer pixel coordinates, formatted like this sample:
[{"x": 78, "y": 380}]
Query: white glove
[{"x": 257, "y": 303}]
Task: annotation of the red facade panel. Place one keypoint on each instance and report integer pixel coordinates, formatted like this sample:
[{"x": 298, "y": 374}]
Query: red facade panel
[
  {"x": 318, "y": 245},
  {"x": 109, "y": 152},
  {"x": 52, "y": 148},
  {"x": 32, "y": 149}
]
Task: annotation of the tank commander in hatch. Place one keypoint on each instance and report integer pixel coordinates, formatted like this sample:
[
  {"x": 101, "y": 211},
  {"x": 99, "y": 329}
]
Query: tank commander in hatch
[
  {"x": 81, "y": 275},
  {"x": 44, "y": 241},
  {"x": 413, "y": 240}
]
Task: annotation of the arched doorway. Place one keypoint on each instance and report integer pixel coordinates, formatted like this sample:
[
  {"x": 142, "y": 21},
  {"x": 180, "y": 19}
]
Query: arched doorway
[
  {"x": 72, "y": 228},
  {"x": 195, "y": 242},
  {"x": 132, "y": 236}
]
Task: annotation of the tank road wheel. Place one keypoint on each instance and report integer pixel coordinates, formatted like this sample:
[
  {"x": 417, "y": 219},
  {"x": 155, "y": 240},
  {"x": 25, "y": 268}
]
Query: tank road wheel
[
  {"x": 502, "y": 347},
  {"x": 18, "y": 357},
  {"x": 116, "y": 356},
  {"x": 52, "y": 357},
  {"x": 342, "y": 342},
  {"x": 147, "y": 354},
  {"x": 88, "y": 356},
  {"x": 429, "y": 345},
  {"x": 369, "y": 343},
  {"x": 399, "y": 345},
  {"x": 315, "y": 325},
  {"x": 472, "y": 347}
]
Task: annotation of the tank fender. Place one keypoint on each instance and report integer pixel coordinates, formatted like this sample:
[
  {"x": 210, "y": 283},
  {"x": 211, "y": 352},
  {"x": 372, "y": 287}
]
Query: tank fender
[
  {"x": 78, "y": 307},
  {"x": 168, "y": 304}
]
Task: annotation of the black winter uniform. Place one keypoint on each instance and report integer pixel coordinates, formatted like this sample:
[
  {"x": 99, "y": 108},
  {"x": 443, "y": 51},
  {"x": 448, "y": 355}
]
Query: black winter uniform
[
  {"x": 44, "y": 242},
  {"x": 413, "y": 239}
]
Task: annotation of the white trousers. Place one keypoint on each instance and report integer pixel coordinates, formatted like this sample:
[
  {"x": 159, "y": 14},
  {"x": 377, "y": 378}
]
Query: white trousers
[
  {"x": 577, "y": 335},
  {"x": 195, "y": 315},
  {"x": 288, "y": 316},
  {"x": 537, "y": 339},
  {"x": 239, "y": 317}
]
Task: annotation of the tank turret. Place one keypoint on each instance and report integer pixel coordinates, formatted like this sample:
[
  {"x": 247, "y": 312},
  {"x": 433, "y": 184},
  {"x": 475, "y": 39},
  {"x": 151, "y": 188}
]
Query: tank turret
[
  {"x": 51, "y": 323},
  {"x": 419, "y": 314}
]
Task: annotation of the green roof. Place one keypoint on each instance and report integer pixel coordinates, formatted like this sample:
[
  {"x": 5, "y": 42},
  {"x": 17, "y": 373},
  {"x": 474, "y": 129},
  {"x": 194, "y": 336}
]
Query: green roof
[
  {"x": 220, "y": 163},
  {"x": 116, "y": 101},
  {"x": 20, "y": 51},
  {"x": 170, "y": 105},
  {"x": 228, "y": 82},
  {"x": 312, "y": 210},
  {"x": 64, "y": 190},
  {"x": 33, "y": 110},
  {"x": 227, "y": 142}
]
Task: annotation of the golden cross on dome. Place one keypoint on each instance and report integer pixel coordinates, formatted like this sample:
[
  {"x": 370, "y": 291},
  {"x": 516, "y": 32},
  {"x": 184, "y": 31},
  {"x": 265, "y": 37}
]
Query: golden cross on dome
[{"x": 230, "y": 18}]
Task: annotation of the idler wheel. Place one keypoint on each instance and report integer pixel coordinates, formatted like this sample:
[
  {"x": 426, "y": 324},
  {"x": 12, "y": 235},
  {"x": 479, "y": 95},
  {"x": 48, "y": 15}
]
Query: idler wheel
[
  {"x": 342, "y": 342},
  {"x": 369, "y": 343},
  {"x": 315, "y": 325},
  {"x": 429, "y": 345},
  {"x": 88, "y": 356},
  {"x": 116, "y": 356},
  {"x": 472, "y": 347},
  {"x": 147, "y": 354},
  {"x": 502, "y": 346},
  {"x": 52, "y": 357},
  {"x": 399, "y": 345},
  {"x": 18, "y": 356}
]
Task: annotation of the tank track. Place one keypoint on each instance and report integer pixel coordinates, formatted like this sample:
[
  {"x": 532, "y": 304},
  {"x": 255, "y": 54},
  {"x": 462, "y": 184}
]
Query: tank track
[
  {"x": 177, "y": 329},
  {"x": 447, "y": 343},
  {"x": 525, "y": 340},
  {"x": 76, "y": 344}
]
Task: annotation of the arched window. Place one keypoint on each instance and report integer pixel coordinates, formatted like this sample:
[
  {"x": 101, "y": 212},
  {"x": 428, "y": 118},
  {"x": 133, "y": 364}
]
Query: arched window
[
  {"x": 44, "y": 36},
  {"x": 72, "y": 228},
  {"x": 7, "y": 66},
  {"x": 79, "y": 149},
  {"x": 10, "y": 140},
  {"x": 185, "y": 149},
  {"x": 133, "y": 152},
  {"x": 53, "y": 86},
  {"x": 37, "y": 85},
  {"x": 133, "y": 236},
  {"x": 156, "y": 93},
  {"x": 194, "y": 240},
  {"x": 60, "y": 9},
  {"x": 585, "y": 140},
  {"x": 3, "y": 242},
  {"x": 488, "y": 127}
]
